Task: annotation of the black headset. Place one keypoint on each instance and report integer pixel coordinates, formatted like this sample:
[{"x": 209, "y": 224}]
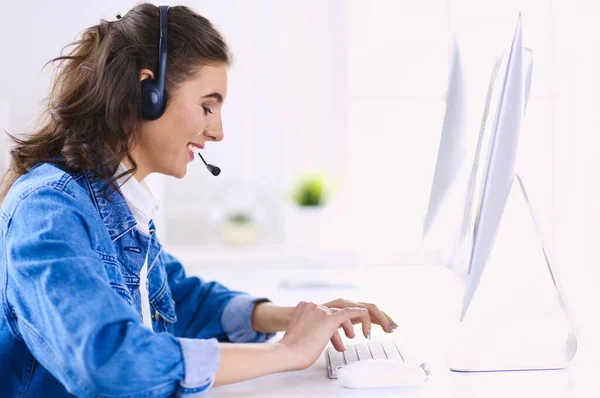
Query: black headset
[{"x": 154, "y": 97}]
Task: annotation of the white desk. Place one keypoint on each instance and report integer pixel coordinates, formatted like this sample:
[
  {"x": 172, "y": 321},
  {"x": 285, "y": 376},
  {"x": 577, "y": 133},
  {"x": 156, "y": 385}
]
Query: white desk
[{"x": 424, "y": 302}]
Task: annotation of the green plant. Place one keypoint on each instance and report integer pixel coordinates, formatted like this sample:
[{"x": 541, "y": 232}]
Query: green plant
[
  {"x": 240, "y": 218},
  {"x": 310, "y": 191}
]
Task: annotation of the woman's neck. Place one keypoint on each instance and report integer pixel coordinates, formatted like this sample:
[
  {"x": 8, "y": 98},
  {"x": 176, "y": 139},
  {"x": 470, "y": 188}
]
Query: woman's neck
[{"x": 140, "y": 174}]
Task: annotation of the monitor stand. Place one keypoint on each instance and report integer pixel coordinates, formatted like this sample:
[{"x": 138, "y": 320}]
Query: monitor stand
[{"x": 492, "y": 340}]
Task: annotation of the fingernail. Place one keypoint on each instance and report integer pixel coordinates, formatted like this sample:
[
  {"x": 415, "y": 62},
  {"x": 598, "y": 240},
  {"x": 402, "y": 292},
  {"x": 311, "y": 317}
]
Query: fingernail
[
  {"x": 391, "y": 329},
  {"x": 369, "y": 334}
]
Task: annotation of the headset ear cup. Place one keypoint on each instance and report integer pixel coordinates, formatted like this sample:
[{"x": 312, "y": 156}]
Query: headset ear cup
[
  {"x": 150, "y": 99},
  {"x": 153, "y": 100}
]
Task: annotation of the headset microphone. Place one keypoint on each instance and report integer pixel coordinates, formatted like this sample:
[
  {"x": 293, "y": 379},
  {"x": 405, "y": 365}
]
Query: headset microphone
[{"x": 213, "y": 169}]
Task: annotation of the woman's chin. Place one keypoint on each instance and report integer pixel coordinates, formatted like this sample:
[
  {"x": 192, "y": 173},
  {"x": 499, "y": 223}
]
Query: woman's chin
[{"x": 178, "y": 172}]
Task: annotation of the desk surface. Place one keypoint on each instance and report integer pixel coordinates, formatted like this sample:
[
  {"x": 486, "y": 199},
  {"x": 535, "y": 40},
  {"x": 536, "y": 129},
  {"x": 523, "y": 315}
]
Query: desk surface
[{"x": 424, "y": 301}]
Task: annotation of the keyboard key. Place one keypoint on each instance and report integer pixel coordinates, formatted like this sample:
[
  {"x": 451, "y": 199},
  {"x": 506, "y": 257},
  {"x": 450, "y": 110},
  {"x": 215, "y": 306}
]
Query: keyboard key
[
  {"x": 363, "y": 352},
  {"x": 350, "y": 355},
  {"x": 406, "y": 355},
  {"x": 376, "y": 350},
  {"x": 335, "y": 357},
  {"x": 391, "y": 351}
]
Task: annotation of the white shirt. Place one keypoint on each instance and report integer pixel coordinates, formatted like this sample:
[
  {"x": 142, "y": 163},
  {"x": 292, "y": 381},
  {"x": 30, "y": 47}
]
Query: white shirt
[{"x": 144, "y": 207}]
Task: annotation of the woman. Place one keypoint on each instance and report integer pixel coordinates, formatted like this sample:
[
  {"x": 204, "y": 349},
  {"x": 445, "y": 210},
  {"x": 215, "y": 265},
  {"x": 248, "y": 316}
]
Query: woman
[{"x": 92, "y": 305}]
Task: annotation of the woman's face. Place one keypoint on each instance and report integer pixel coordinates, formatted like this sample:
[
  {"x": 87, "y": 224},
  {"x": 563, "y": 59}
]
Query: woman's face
[{"x": 193, "y": 115}]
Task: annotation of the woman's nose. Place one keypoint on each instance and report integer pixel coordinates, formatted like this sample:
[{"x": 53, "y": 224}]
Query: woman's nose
[
  {"x": 215, "y": 131},
  {"x": 214, "y": 134}
]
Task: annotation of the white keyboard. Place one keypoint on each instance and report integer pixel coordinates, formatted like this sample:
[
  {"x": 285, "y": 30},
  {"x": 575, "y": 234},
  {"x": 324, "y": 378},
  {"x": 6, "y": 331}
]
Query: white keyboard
[{"x": 386, "y": 349}]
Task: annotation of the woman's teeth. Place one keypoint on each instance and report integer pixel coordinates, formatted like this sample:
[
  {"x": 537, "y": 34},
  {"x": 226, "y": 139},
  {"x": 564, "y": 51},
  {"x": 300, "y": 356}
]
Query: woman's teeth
[{"x": 193, "y": 148}]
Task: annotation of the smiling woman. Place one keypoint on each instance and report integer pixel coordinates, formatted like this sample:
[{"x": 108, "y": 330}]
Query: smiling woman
[
  {"x": 92, "y": 303},
  {"x": 93, "y": 114}
]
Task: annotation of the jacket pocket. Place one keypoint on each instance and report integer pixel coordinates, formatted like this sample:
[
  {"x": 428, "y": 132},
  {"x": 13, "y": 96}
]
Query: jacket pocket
[
  {"x": 163, "y": 307},
  {"x": 118, "y": 279}
]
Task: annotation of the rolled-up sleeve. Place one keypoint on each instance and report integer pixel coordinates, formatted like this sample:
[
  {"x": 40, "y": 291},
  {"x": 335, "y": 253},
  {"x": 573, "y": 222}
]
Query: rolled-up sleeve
[
  {"x": 201, "y": 359},
  {"x": 237, "y": 320},
  {"x": 75, "y": 323}
]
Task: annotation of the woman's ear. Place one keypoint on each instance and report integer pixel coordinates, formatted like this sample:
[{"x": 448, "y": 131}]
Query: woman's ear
[{"x": 146, "y": 74}]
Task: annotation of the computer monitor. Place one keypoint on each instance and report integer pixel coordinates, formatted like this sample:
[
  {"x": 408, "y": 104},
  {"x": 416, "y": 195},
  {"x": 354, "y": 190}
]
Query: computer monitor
[
  {"x": 459, "y": 259},
  {"x": 495, "y": 162},
  {"x": 452, "y": 148},
  {"x": 451, "y": 186},
  {"x": 501, "y": 346}
]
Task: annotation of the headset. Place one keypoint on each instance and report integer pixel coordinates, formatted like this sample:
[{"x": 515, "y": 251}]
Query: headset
[{"x": 154, "y": 97}]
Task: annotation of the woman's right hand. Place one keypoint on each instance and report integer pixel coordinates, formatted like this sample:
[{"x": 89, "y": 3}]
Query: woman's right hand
[{"x": 312, "y": 326}]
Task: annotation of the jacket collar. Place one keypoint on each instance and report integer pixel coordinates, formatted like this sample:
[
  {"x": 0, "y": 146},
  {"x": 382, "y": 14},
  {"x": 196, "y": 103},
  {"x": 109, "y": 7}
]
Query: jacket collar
[
  {"x": 139, "y": 198},
  {"x": 115, "y": 212}
]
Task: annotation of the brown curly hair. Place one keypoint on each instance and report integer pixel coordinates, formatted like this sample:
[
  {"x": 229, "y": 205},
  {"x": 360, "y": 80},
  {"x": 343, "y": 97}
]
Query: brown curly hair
[{"x": 94, "y": 103}]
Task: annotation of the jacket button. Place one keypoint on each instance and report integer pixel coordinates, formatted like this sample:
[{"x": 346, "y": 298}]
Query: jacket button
[{"x": 156, "y": 316}]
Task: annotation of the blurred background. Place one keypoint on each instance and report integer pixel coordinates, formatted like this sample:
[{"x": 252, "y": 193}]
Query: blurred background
[{"x": 347, "y": 98}]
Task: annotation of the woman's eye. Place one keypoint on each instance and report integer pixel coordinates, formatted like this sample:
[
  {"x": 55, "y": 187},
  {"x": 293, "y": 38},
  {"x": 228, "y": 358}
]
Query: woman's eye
[{"x": 206, "y": 111}]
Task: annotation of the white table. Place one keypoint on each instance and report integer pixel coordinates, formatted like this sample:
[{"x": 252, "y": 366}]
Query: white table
[{"x": 424, "y": 301}]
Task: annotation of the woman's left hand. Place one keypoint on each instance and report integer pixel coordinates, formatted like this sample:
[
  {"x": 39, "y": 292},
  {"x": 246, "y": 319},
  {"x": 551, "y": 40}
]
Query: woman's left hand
[{"x": 376, "y": 316}]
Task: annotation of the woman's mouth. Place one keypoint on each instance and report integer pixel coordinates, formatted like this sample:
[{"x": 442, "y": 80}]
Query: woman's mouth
[{"x": 193, "y": 149}]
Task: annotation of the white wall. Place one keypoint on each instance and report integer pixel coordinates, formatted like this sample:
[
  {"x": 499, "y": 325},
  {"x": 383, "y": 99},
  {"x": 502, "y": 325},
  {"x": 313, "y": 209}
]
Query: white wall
[
  {"x": 285, "y": 114},
  {"x": 4, "y": 126},
  {"x": 577, "y": 188},
  {"x": 398, "y": 67}
]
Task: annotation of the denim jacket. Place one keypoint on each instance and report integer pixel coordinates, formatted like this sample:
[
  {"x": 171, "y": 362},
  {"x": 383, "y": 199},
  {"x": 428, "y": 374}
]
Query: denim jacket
[{"x": 70, "y": 308}]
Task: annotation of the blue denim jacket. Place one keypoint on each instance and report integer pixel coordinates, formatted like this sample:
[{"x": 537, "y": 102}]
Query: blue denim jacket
[{"x": 70, "y": 308}]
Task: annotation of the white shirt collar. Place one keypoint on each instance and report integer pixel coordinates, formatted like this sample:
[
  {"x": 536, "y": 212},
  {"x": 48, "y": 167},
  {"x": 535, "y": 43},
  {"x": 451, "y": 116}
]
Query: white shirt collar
[{"x": 141, "y": 202}]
